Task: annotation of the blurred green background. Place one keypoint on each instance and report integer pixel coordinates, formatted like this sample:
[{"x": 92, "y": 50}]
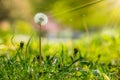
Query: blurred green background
[
  {"x": 75, "y": 14},
  {"x": 66, "y": 18}
]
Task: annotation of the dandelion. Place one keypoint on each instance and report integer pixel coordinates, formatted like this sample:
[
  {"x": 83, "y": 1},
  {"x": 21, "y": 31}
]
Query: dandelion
[{"x": 40, "y": 19}]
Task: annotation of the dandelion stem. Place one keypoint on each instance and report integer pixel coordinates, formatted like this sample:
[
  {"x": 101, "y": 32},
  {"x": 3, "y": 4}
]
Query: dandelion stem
[{"x": 40, "y": 44}]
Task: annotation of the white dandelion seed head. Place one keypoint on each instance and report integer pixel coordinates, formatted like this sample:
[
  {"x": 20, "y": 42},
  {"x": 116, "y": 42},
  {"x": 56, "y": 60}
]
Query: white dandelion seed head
[{"x": 41, "y": 19}]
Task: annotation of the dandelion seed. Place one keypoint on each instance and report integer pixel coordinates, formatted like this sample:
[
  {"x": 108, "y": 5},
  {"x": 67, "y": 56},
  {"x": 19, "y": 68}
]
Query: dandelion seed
[{"x": 41, "y": 19}]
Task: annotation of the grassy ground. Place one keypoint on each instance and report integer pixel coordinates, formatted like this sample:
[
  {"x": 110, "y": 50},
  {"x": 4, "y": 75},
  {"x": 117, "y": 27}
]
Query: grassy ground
[{"x": 96, "y": 57}]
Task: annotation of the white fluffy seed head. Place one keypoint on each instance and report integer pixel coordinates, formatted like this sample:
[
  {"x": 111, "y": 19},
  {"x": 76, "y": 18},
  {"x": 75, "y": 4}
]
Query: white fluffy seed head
[{"x": 40, "y": 19}]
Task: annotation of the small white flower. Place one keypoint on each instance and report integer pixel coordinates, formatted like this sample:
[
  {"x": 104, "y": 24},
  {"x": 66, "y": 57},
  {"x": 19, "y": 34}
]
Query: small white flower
[{"x": 41, "y": 19}]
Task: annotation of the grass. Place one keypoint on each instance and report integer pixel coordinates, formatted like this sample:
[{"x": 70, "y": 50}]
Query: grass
[{"x": 89, "y": 58}]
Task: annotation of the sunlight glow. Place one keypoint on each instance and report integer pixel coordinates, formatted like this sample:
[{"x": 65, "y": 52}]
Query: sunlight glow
[
  {"x": 113, "y": 11},
  {"x": 117, "y": 3}
]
